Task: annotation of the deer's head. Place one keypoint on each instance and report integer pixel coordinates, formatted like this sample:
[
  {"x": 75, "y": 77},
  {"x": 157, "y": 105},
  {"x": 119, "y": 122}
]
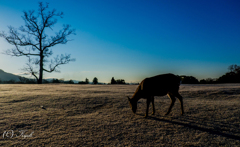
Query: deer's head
[{"x": 133, "y": 104}]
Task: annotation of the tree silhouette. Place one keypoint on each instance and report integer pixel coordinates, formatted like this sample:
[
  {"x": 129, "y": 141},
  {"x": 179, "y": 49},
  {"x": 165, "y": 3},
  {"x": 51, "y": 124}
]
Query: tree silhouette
[
  {"x": 86, "y": 81},
  {"x": 70, "y": 82},
  {"x": 189, "y": 80},
  {"x": 22, "y": 80},
  {"x": 55, "y": 81},
  {"x": 120, "y": 81},
  {"x": 113, "y": 81},
  {"x": 231, "y": 77},
  {"x": 231, "y": 68},
  {"x": 32, "y": 41},
  {"x": 95, "y": 80}
]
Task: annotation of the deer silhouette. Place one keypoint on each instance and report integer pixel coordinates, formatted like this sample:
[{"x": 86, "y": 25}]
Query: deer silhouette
[{"x": 160, "y": 85}]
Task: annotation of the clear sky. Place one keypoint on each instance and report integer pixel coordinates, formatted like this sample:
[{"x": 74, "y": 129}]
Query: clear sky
[{"x": 134, "y": 39}]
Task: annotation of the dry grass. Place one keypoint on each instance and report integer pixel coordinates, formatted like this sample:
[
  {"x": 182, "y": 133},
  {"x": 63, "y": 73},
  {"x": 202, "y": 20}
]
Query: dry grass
[{"x": 99, "y": 115}]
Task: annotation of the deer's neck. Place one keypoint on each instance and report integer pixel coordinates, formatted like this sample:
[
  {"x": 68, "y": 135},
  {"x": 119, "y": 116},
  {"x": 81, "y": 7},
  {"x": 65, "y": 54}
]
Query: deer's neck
[{"x": 135, "y": 97}]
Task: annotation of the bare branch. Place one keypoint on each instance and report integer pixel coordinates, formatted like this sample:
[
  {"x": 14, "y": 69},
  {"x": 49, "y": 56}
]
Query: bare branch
[
  {"x": 47, "y": 21},
  {"x": 59, "y": 60},
  {"x": 61, "y": 37},
  {"x": 31, "y": 22},
  {"x": 18, "y": 41},
  {"x": 29, "y": 68}
]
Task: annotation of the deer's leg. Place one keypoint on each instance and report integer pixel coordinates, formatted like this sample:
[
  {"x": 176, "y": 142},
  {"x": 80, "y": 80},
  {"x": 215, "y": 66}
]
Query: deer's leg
[
  {"x": 172, "y": 103},
  {"x": 148, "y": 102},
  {"x": 181, "y": 102},
  {"x": 153, "y": 107}
]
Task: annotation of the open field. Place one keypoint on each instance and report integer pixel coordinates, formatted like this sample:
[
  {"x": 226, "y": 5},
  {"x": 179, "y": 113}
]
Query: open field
[{"x": 99, "y": 115}]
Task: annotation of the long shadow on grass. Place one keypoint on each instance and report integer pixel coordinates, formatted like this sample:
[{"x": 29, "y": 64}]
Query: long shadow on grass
[{"x": 211, "y": 131}]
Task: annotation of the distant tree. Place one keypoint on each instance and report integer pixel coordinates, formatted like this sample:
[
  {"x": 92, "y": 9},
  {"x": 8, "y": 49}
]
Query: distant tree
[
  {"x": 210, "y": 81},
  {"x": 10, "y": 81},
  {"x": 231, "y": 68},
  {"x": 113, "y": 81},
  {"x": 86, "y": 81},
  {"x": 61, "y": 80},
  {"x": 32, "y": 41},
  {"x": 31, "y": 81},
  {"x": 203, "y": 81},
  {"x": 70, "y": 82},
  {"x": 55, "y": 81},
  {"x": 189, "y": 80},
  {"x": 81, "y": 82},
  {"x": 22, "y": 79},
  {"x": 236, "y": 69},
  {"x": 95, "y": 80},
  {"x": 233, "y": 76},
  {"x": 45, "y": 81},
  {"x": 120, "y": 81}
]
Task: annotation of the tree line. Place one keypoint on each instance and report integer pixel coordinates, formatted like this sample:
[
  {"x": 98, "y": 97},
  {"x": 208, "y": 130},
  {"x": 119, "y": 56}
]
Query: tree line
[
  {"x": 23, "y": 80},
  {"x": 95, "y": 81},
  {"x": 232, "y": 76}
]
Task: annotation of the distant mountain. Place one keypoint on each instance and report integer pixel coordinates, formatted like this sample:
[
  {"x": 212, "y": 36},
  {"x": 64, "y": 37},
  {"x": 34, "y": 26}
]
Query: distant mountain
[{"x": 4, "y": 76}]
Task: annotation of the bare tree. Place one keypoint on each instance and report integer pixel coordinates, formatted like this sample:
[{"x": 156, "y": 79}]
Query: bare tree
[{"x": 35, "y": 44}]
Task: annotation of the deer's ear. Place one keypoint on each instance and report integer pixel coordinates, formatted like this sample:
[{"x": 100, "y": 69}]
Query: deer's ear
[{"x": 128, "y": 98}]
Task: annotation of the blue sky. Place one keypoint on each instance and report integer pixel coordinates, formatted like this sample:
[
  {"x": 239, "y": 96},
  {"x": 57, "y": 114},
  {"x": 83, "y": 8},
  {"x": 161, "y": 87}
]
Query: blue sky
[{"x": 134, "y": 39}]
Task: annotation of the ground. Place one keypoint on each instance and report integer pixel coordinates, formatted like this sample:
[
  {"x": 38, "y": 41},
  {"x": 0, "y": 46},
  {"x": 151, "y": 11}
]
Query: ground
[{"x": 99, "y": 115}]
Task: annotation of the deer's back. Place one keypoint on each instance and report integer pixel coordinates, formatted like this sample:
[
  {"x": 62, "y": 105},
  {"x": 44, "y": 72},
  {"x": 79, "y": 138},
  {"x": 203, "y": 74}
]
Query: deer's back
[{"x": 160, "y": 85}]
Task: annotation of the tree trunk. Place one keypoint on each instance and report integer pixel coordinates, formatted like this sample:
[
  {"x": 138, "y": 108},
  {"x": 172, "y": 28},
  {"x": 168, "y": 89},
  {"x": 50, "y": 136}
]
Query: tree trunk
[{"x": 40, "y": 69}]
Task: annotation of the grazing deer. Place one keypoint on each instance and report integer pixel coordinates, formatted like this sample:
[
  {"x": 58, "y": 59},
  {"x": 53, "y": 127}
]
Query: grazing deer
[{"x": 159, "y": 85}]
